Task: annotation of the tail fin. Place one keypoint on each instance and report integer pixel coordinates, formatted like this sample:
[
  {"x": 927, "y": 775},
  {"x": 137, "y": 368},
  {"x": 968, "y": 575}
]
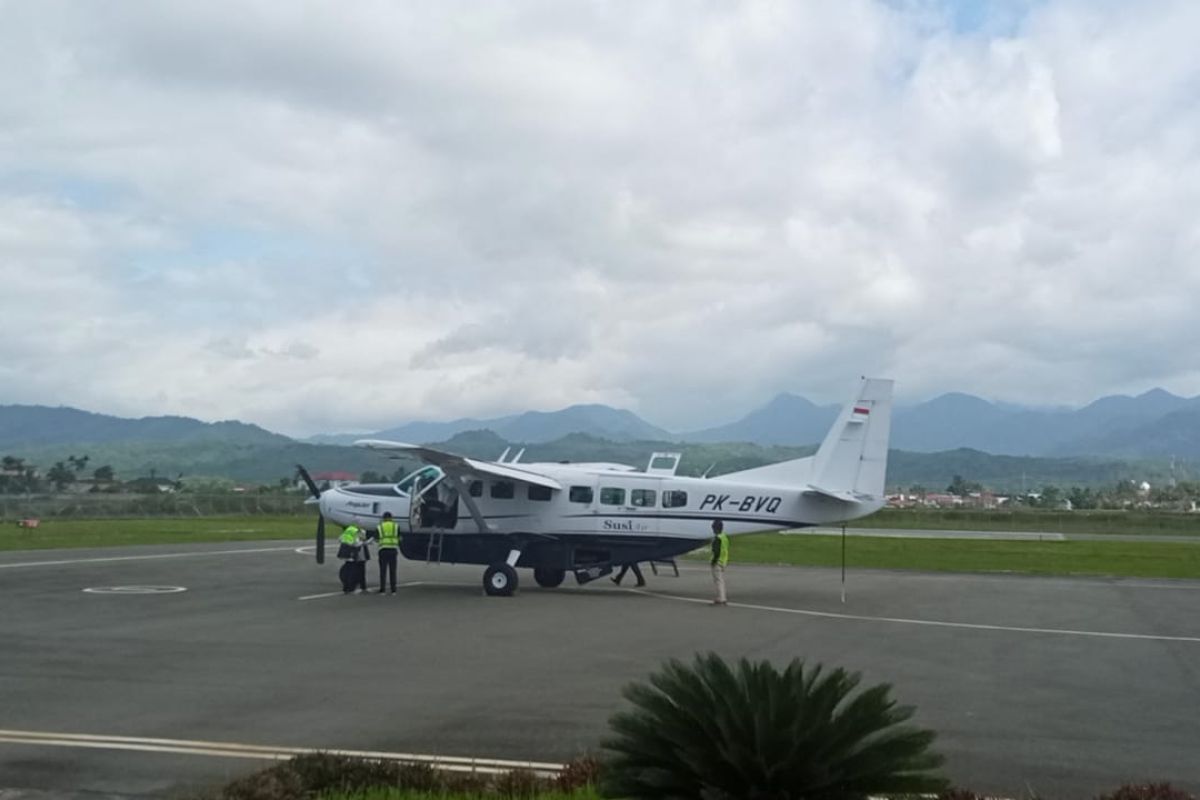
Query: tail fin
[{"x": 852, "y": 461}]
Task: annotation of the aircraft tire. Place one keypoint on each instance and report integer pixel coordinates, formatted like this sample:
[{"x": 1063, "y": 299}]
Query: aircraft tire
[
  {"x": 499, "y": 580},
  {"x": 549, "y": 577}
]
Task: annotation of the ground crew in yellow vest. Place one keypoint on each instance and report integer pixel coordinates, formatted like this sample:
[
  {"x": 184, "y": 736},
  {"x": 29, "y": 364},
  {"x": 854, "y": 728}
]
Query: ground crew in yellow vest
[
  {"x": 720, "y": 558},
  {"x": 389, "y": 546},
  {"x": 351, "y": 551}
]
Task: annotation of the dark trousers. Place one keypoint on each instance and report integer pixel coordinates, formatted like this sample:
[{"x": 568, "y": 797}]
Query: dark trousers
[
  {"x": 353, "y": 575},
  {"x": 637, "y": 573},
  {"x": 387, "y": 566}
]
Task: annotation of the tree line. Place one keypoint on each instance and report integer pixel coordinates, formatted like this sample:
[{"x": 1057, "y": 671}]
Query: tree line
[{"x": 1121, "y": 494}]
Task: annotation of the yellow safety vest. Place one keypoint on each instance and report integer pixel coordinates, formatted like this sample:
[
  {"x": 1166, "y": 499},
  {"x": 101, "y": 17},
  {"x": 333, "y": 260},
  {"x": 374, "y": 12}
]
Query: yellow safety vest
[
  {"x": 389, "y": 534},
  {"x": 723, "y": 554}
]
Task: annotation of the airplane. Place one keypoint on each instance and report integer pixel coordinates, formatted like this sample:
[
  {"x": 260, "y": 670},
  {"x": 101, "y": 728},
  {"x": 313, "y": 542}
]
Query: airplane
[{"x": 587, "y": 518}]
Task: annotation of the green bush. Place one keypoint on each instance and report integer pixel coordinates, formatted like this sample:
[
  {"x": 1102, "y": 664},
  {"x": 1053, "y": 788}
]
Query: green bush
[
  {"x": 711, "y": 731},
  {"x": 327, "y": 775},
  {"x": 1148, "y": 791},
  {"x": 578, "y": 774}
]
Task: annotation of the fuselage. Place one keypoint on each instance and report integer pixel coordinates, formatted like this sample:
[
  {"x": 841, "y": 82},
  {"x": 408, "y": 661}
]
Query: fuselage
[{"x": 593, "y": 502}]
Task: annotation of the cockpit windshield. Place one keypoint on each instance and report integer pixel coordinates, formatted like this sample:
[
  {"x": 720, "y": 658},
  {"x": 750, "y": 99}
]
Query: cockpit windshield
[{"x": 415, "y": 482}]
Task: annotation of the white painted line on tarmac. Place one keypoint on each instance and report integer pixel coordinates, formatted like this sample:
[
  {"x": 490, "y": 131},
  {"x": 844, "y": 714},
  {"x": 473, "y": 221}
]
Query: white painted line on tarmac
[
  {"x": 930, "y": 622},
  {"x": 135, "y": 589},
  {"x": 369, "y": 591},
  {"x": 266, "y": 753},
  {"x": 62, "y": 562}
]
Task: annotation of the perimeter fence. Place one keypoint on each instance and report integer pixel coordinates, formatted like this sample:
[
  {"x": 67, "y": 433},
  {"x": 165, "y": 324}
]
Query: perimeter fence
[{"x": 165, "y": 504}]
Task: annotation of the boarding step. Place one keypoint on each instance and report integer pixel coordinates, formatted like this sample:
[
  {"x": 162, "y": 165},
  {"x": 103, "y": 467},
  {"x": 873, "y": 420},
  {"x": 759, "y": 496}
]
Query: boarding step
[{"x": 434, "y": 549}]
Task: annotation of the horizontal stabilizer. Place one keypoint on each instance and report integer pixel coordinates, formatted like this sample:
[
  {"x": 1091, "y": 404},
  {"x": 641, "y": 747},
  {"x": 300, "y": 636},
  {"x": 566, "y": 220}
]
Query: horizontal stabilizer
[{"x": 842, "y": 497}]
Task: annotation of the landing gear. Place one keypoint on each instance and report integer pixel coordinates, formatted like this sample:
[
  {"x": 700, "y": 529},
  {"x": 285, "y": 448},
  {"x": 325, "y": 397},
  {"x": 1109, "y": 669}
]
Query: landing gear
[
  {"x": 548, "y": 577},
  {"x": 500, "y": 580}
]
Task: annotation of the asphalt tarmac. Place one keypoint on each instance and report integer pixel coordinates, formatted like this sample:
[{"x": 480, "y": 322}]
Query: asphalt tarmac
[{"x": 1037, "y": 686}]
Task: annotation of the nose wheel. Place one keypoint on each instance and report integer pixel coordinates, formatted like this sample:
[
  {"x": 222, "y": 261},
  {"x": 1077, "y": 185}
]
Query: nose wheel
[{"x": 500, "y": 580}]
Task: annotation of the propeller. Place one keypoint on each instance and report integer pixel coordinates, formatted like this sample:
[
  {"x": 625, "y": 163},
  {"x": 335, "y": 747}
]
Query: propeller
[{"x": 316, "y": 493}]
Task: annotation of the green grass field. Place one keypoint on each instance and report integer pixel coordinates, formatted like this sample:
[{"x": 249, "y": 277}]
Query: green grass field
[
  {"x": 56, "y": 533},
  {"x": 1143, "y": 559},
  {"x": 409, "y": 794},
  {"x": 1140, "y": 559},
  {"x": 1133, "y": 522}
]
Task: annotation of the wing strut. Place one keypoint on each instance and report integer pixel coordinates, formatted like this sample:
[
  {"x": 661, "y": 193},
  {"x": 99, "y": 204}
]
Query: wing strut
[{"x": 469, "y": 501}]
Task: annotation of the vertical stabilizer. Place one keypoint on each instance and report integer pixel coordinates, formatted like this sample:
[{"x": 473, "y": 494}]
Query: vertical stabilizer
[{"x": 853, "y": 457}]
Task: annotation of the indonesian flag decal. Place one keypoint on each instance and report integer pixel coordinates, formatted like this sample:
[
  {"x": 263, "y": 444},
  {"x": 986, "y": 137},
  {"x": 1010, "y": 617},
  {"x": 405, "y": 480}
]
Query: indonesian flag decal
[{"x": 860, "y": 414}]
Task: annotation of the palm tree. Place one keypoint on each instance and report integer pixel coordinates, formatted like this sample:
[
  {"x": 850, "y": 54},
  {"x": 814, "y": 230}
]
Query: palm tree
[{"x": 711, "y": 731}]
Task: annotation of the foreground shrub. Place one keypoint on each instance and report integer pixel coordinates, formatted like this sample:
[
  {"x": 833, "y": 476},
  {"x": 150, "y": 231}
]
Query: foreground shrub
[
  {"x": 956, "y": 793},
  {"x": 710, "y": 731},
  {"x": 1148, "y": 791},
  {"x": 323, "y": 774},
  {"x": 579, "y": 773}
]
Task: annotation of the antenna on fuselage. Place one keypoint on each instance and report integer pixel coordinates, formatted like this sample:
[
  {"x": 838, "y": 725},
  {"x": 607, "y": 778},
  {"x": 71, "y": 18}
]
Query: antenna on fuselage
[
  {"x": 710, "y": 469},
  {"x": 517, "y": 457},
  {"x": 503, "y": 455}
]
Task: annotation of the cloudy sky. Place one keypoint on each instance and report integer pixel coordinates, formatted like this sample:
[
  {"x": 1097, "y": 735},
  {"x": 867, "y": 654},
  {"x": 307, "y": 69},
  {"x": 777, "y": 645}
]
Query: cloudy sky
[{"x": 328, "y": 216}]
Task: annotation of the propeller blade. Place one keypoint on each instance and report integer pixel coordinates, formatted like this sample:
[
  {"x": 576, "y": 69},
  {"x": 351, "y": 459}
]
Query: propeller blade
[
  {"x": 312, "y": 485},
  {"x": 320, "y": 539}
]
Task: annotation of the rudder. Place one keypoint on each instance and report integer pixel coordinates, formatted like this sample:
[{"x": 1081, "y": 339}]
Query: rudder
[{"x": 853, "y": 457}]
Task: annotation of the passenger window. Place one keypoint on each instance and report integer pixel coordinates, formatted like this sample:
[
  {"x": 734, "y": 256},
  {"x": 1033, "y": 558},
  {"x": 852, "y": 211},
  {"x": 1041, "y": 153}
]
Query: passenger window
[
  {"x": 475, "y": 489},
  {"x": 643, "y": 498},
  {"x": 674, "y": 499},
  {"x": 539, "y": 492},
  {"x": 581, "y": 494},
  {"x": 612, "y": 497},
  {"x": 503, "y": 490}
]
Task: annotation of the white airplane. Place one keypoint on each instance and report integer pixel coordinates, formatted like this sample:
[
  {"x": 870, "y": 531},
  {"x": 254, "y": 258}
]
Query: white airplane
[{"x": 587, "y": 518}]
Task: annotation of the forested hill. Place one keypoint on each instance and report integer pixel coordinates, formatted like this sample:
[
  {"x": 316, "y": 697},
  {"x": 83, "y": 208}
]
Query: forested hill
[
  {"x": 43, "y": 425},
  {"x": 169, "y": 446},
  {"x": 933, "y": 470}
]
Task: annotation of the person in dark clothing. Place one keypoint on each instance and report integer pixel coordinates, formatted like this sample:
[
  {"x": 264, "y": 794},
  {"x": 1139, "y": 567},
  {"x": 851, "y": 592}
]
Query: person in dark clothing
[
  {"x": 352, "y": 549},
  {"x": 637, "y": 573},
  {"x": 389, "y": 546}
]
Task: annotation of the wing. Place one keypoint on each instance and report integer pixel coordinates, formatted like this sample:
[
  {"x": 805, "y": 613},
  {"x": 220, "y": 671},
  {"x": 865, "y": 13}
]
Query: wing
[{"x": 460, "y": 466}]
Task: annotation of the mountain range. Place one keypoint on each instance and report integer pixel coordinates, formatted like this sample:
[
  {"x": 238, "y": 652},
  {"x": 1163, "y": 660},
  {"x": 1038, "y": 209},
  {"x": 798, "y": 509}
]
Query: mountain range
[
  {"x": 597, "y": 420},
  {"x": 1156, "y": 424},
  {"x": 951, "y": 434}
]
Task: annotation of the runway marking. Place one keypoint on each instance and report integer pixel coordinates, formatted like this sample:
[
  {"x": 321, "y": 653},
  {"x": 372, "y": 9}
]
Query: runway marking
[
  {"x": 1069, "y": 579},
  {"x": 147, "y": 557},
  {"x": 930, "y": 622},
  {"x": 135, "y": 589},
  {"x": 265, "y": 753},
  {"x": 369, "y": 591}
]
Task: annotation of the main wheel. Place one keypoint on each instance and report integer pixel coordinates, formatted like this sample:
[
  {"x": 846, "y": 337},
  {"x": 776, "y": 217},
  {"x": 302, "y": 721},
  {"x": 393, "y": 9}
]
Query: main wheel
[
  {"x": 500, "y": 580},
  {"x": 548, "y": 577}
]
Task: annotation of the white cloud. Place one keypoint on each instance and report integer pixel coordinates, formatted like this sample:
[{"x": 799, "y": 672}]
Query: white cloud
[{"x": 319, "y": 219}]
